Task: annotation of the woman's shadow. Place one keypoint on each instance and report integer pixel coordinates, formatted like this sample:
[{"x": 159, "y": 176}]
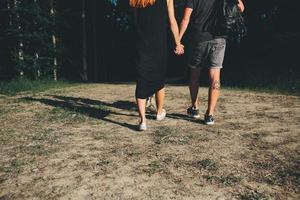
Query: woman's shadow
[{"x": 89, "y": 107}]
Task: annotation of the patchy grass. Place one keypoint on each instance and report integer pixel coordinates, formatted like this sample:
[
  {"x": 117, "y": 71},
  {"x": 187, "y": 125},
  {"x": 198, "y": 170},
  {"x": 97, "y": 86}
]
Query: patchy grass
[
  {"x": 14, "y": 87},
  {"x": 226, "y": 181},
  {"x": 253, "y": 195},
  {"x": 153, "y": 167},
  {"x": 99, "y": 136},
  {"x": 171, "y": 135},
  {"x": 206, "y": 164},
  {"x": 3, "y": 178},
  {"x": 61, "y": 115},
  {"x": 46, "y": 135},
  {"x": 280, "y": 88},
  {"x": 284, "y": 177},
  {"x": 35, "y": 149},
  {"x": 103, "y": 162},
  {"x": 15, "y": 167},
  {"x": 82, "y": 143}
]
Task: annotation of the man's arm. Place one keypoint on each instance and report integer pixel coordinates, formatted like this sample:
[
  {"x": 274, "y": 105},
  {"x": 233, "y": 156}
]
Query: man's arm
[
  {"x": 241, "y": 5},
  {"x": 185, "y": 21}
]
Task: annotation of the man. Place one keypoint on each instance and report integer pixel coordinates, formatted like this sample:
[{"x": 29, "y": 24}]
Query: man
[{"x": 206, "y": 51}]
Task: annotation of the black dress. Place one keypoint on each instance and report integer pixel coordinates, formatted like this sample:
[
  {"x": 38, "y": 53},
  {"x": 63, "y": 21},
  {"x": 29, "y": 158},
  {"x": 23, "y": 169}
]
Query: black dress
[{"x": 151, "y": 46}]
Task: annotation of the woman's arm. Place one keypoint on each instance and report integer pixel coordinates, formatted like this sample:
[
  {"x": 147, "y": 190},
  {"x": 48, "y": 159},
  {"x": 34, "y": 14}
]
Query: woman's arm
[
  {"x": 174, "y": 26},
  {"x": 241, "y": 5},
  {"x": 185, "y": 21}
]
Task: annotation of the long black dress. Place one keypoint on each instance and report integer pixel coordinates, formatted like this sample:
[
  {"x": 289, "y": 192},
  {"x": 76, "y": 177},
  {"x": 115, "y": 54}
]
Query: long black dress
[{"x": 151, "y": 46}]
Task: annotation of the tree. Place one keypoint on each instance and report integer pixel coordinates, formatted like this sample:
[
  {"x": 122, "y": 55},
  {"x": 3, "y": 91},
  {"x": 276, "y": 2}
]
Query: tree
[
  {"x": 54, "y": 43},
  {"x": 31, "y": 31},
  {"x": 20, "y": 42},
  {"x": 84, "y": 72}
]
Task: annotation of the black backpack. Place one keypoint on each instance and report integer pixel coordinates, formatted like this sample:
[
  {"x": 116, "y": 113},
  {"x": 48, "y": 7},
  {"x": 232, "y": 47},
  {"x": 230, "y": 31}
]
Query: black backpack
[{"x": 229, "y": 21}]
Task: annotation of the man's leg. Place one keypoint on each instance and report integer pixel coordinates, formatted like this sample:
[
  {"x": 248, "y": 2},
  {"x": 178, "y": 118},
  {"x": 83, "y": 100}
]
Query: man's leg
[
  {"x": 214, "y": 90},
  {"x": 194, "y": 86}
]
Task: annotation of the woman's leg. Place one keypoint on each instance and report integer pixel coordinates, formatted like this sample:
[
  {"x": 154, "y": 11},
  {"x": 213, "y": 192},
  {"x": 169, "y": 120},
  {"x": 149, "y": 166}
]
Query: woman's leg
[
  {"x": 141, "y": 103},
  {"x": 160, "y": 99}
]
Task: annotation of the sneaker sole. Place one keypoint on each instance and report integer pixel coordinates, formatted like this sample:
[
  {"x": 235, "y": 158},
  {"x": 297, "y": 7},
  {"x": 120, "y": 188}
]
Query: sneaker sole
[
  {"x": 142, "y": 129},
  {"x": 161, "y": 117},
  {"x": 209, "y": 123},
  {"x": 194, "y": 116}
]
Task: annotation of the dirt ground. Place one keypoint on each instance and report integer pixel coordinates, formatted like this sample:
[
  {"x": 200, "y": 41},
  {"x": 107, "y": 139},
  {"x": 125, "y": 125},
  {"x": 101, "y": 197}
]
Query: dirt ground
[{"x": 80, "y": 142}]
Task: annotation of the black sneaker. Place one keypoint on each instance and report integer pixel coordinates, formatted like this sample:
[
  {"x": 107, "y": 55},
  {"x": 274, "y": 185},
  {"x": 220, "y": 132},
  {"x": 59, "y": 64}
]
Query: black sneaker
[
  {"x": 193, "y": 112},
  {"x": 209, "y": 119}
]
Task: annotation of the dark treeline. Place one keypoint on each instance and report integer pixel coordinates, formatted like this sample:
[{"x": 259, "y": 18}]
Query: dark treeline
[{"x": 92, "y": 40}]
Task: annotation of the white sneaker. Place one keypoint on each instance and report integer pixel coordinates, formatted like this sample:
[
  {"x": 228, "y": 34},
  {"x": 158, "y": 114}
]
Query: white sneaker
[
  {"x": 149, "y": 102},
  {"x": 142, "y": 126},
  {"x": 162, "y": 115}
]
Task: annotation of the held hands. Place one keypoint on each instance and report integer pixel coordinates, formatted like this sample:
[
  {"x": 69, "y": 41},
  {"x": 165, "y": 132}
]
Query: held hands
[{"x": 179, "y": 50}]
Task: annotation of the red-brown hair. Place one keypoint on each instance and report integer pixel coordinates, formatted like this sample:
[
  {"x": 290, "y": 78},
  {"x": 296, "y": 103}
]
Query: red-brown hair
[{"x": 141, "y": 3}]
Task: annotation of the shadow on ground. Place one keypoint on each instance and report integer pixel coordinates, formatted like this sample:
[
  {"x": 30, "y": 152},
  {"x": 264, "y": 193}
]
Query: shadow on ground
[
  {"x": 185, "y": 117},
  {"x": 89, "y": 107}
]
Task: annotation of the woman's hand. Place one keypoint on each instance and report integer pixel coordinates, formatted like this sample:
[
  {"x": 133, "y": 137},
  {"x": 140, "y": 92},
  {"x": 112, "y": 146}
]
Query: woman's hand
[{"x": 179, "y": 50}]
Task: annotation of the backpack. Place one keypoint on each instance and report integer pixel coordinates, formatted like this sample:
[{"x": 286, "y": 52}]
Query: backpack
[{"x": 229, "y": 21}]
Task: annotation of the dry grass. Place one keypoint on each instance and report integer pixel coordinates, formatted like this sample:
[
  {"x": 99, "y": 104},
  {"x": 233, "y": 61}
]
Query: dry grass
[{"x": 81, "y": 143}]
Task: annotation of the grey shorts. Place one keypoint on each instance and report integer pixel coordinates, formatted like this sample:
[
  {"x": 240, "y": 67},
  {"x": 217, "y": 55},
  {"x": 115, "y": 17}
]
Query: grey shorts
[{"x": 208, "y": 54}]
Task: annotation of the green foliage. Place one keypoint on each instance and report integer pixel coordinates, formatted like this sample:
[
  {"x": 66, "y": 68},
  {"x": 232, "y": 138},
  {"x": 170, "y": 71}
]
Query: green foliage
[
  {"x": 24, "y": 85},
  {"x": 29, "y": 32},
  {"x": 118, "y": 15},
  {"x": 114, "y": 2}
]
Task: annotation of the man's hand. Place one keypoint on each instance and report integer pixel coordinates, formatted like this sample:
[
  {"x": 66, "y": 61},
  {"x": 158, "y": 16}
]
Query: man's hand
[{"x": 179, "y": 50}]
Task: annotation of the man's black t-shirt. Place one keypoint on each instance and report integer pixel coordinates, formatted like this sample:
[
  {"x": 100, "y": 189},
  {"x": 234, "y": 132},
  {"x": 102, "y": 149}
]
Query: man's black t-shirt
[{"x": 203, "y": 15}]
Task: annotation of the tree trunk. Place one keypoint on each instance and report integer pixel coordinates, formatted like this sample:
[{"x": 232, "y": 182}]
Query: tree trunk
[
  {"x": 95, "y": 41},
  {"x": 38, "y": 72},
  {"x": 20, "y": 44},
  {"x": 103, "y": 36},
  {"x": 84, "y": 43},
  {"x": 8, "y": 8},
  {"x": 36, "y": 58},
  {"x": 52, "y": 12}
]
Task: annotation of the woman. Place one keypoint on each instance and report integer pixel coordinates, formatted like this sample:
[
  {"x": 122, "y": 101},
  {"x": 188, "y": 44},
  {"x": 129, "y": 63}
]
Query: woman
[{"x": 151, "y": 17}]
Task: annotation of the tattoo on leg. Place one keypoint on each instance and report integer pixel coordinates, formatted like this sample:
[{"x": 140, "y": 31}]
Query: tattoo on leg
[{"x": 216, "y": 85}]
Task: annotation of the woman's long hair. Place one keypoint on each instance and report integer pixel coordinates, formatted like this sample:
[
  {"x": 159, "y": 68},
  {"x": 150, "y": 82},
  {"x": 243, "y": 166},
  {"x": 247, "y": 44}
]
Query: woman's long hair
[{"x": 141, "y": 3}]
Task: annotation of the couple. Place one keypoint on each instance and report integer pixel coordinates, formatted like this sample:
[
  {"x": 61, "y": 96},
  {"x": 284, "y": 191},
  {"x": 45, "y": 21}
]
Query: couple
[{"x": 152, "y": 19}]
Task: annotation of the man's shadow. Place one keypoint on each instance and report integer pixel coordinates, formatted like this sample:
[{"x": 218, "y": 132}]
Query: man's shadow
[
  {"x": 86, "y": 107},
  {"x": 185, "y": 117}
]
